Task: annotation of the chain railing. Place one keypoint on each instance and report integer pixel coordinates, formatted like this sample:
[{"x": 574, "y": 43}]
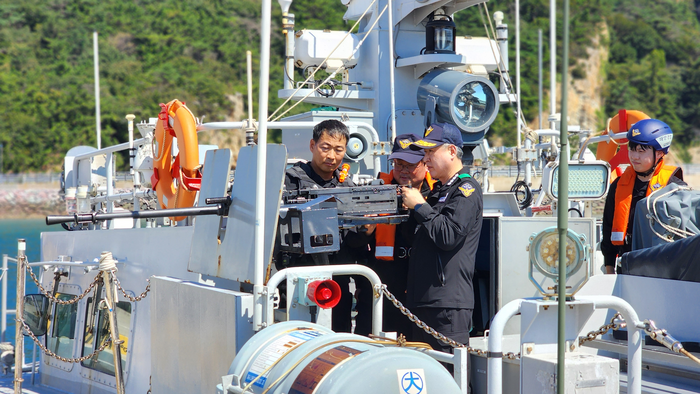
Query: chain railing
[
  {"x": 98, "y": 279},
  {"x": 431, "y": 331},
  {"x": 53, "y": 298},
  {"x": 615, "y": 324},
  {"x": 49, "y": 353},
  {"x": 133, "y": 299}
]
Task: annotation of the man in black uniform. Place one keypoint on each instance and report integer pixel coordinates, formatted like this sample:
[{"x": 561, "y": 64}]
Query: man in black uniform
[
  {"x": 327, "y": 146},
  {"x": 441, "y": 265},
  {"x": 390, "y": 244}
]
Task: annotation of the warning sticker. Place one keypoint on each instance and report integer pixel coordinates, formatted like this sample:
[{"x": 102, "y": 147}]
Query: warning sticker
[
  {"x": 274, "y": 351},
  {"x": 309, "y": 378},
  {"x": 412, "y": 381}
]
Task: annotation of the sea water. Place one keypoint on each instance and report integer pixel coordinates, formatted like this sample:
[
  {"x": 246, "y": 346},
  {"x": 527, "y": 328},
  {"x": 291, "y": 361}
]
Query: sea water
[{"x": 10, "y": 232}]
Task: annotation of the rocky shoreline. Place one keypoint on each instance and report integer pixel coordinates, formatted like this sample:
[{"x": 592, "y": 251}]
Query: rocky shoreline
[{"x": 30, "y": 203}]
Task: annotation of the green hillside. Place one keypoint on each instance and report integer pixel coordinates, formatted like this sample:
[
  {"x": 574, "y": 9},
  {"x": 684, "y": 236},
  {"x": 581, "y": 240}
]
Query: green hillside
[{"x": 153, "y": 51}]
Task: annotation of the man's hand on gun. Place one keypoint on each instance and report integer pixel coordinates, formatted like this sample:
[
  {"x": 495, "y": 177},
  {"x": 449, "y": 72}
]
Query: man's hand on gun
[{"x": 411, "y": 197}]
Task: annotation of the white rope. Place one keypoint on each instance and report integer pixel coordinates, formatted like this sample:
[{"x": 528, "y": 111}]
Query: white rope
[
  {"x": 334, "y": 72},
  {"x": 321, "y": 65},
  {"x": 653, "y": 216},
  {"x": 107, "y": 262}
]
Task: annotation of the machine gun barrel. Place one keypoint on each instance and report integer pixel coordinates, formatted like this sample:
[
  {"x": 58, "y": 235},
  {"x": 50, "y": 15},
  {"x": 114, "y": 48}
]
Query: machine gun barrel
[{"x": 221, "y": 209}]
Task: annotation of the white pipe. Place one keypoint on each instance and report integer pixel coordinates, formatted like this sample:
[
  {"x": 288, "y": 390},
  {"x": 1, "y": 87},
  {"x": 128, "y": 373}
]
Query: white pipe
[
  {"x": 517, "y": 68},
  {"x": 109, "y": 149},
  {"x": 109, "y": 166},
  {"x": 343, "y": 269},
  {"x": 97, "y": 89},
  {"x": 634, "y": 337},
  {"x": 249, "y": 63},
  {"x": 288, "y": 26},
  {"x": 259, "y": 270},
  {"x": 391, "y": 72},
  {"x": 296, "y": 126},
  {"x": 552, "y": 61},
  {"x": 495, "y": 346},
  {"x": 125, "y": 196},
  {"x": 134, "y": 174},
  {"x": 3, "y": 312}
]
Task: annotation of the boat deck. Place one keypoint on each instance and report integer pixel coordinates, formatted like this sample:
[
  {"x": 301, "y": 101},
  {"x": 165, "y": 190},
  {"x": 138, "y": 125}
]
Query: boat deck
[{"x": 7, "y": 383}]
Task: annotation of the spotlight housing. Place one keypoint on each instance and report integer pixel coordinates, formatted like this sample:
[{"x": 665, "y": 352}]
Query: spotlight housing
[{"x": 469, "y": 102}]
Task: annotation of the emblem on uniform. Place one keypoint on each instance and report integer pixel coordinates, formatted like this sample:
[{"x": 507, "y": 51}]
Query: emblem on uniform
[
  {"x": 635, "y": 132},
  {"x": 656, "y": 186},
  {"x": 428, "y": 131},
  {"x": 424, "y": 143},
  {"x": 467, "y": 189},
  {"x": 404, "y": 143}
]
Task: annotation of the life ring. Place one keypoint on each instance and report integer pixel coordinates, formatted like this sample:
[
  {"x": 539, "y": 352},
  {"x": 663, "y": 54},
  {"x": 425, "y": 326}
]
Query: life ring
[
  {"x": 176, "y": 181},
  {"x": 608, "y": 151}
]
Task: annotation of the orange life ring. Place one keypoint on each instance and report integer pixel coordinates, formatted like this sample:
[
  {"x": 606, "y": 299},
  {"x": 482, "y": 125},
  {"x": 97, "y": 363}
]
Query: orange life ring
[
  {"x": 608, "y": 151},
  {"x": 176, "y": 181}
]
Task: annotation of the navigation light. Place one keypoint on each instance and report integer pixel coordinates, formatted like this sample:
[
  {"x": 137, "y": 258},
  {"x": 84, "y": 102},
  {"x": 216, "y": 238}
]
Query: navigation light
[{"x": 544, "y": 261}]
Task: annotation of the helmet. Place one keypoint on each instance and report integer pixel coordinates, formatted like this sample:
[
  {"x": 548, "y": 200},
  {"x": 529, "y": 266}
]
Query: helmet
[{"x": 651, "y": 132}]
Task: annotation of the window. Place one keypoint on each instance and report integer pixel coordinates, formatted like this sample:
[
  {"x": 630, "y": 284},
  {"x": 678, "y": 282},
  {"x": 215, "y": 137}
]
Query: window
[
  {"x": 62, "y": 337},
  {"x": 97, "y": 332}
]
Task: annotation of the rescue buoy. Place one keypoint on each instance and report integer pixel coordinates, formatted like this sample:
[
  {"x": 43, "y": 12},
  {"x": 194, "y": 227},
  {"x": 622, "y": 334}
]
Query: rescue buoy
[
  {"x": 608, "y": 151},
  {"x": 176, "y": 181}
]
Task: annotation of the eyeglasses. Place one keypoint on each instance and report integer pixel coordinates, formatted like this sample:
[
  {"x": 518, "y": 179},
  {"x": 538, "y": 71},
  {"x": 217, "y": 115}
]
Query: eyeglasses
[{"x": 406, "y": 167}]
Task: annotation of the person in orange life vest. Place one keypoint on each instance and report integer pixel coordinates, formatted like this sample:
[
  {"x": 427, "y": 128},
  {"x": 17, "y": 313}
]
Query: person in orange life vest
[
  {"x": 390, "y": 246},
  {"x": 649, "y": 140}
]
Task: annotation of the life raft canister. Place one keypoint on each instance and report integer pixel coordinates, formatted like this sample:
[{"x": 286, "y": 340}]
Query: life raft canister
[
  {"x": 176, "y": 181},
  {"x": 607, "y": 151}
]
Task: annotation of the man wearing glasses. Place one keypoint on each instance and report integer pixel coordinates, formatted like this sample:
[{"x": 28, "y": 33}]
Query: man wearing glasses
[{"x": 390, "y": 247}]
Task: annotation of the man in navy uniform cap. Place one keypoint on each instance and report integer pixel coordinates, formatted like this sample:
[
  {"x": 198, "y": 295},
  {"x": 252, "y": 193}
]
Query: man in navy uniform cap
[{"x": 441, "y": 266}]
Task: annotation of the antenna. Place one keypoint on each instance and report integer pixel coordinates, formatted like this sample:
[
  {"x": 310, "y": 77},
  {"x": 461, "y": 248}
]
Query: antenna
[{"x": 97, "y": 90}]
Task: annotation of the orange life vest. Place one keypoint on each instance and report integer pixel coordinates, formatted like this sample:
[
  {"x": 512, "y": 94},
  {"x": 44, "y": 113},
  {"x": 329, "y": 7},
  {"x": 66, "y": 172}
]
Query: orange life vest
[
  {"x": 623, "y": 197},
  {"x": 385, "y": 234}
]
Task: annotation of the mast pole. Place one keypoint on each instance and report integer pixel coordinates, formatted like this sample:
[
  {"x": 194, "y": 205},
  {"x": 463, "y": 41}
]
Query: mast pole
[
  {"x": 97, "y": 90},
  {"x": 391, "y": 71},
  {"x": 258, "y": 275},
  {"x": 563, "y": 205}
]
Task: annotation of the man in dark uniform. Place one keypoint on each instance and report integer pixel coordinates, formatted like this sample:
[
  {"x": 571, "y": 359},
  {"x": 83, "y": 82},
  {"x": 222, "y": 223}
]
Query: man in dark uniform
[
  {"x": 328, "y": 145},
  {"x": 390, "y": 245},
  {"x": 441, "y": 266},
  {"x": 649, "y": 140}
]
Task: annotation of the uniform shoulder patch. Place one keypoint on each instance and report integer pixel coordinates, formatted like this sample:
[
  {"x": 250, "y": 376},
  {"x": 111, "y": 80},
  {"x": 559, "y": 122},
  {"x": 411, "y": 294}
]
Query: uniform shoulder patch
[{"x": 467, "y": 189}]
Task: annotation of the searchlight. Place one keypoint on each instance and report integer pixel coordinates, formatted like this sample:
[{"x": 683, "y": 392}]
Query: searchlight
[
  {"x": 544, "y": 261},
  {"x": 467, "y": 101}
]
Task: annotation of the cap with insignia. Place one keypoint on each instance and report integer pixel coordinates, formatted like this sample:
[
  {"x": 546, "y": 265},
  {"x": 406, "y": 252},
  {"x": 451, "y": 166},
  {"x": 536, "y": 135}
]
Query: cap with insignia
[
  {"x": 402, "y": 149},
  {"x": 438, "y": 134}
]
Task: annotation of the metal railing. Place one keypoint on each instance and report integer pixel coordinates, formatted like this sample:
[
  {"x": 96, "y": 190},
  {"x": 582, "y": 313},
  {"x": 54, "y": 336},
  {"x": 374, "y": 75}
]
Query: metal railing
[
  {"x": 3, "y": 303},
  {"x": 49, "y": 177}
]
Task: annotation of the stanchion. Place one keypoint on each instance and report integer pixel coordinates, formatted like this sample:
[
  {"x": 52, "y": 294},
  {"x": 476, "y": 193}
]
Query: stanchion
[
  {"x": 19, "y": 336},
  {"x": 107, "y": 266}
]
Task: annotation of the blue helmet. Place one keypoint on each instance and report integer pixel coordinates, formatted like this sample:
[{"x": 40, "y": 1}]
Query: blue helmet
[{"x": 651, "y": 132}]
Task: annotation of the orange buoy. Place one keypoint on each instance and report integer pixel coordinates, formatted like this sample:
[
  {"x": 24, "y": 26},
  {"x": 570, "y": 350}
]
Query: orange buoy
[
  {"x": 608, "y": 151},
  {"x": 176, "y": 180}
]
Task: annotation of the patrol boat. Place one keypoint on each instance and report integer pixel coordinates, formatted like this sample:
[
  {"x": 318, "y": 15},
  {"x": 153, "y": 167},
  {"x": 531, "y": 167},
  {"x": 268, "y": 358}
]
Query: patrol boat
[{"x": 183, "y": 298}]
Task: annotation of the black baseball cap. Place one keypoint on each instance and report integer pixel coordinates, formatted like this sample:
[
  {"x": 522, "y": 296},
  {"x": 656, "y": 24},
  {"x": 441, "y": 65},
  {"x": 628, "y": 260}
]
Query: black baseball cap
[
  {"x": 402, "y": 149},
  {"x": 438, "y": 134}
]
